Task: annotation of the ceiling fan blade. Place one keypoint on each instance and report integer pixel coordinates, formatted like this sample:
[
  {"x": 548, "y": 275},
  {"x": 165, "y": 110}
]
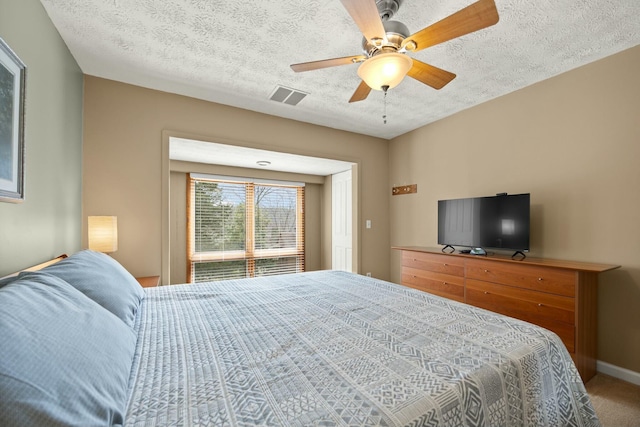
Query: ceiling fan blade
[
  {"x": 316, "y": 65},
  {"x": 432, "y": 76},
  {"x": 361, "y": 92},
  {"x": 367, "y": 18},
  {"x": 477, "y": 16}
]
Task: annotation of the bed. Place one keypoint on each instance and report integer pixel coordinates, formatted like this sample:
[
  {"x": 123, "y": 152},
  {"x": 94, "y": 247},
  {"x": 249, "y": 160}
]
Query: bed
[{"x": 84, "y": 344}]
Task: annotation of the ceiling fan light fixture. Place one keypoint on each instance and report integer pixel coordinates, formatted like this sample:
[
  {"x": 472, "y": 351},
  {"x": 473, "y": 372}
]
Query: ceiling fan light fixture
[{"x": 385, "y": 69}]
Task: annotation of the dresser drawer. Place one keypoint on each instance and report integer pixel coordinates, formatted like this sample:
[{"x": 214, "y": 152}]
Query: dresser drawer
[
  {"x": 545, "y": 279},
  {"x": 444, "y": 285},
  {"x": 433, "y": 262},
  {"x": 553, "y": 312}
]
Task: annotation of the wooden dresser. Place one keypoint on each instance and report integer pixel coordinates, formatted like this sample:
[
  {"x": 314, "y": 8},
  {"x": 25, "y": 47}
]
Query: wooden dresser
[{"x": 558, "y": 295}]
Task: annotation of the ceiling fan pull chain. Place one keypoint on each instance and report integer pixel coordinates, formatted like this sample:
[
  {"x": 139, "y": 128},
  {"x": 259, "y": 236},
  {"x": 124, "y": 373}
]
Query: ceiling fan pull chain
[{"x": 384, "y": 113}]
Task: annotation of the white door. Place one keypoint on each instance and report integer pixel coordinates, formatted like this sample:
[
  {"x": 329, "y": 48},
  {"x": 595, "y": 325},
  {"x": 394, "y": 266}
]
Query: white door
[{"x": 341, "y": 222}]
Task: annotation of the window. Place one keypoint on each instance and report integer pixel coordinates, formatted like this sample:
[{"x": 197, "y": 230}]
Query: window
[{"x": 240, "y": 229}]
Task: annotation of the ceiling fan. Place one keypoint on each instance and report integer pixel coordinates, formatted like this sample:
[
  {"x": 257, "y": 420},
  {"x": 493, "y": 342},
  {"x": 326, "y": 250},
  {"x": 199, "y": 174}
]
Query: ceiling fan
[{"x": 385, "y": 63}]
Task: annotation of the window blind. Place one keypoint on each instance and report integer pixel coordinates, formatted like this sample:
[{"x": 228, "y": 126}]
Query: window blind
[{"x": 243, "y": 229}]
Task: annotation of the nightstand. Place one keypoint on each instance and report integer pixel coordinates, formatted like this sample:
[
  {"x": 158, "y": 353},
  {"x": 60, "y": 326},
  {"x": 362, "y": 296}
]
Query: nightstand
[{"x": 149, "y": 281}]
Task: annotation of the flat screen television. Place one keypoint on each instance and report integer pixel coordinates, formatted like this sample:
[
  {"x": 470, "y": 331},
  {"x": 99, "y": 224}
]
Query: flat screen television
[{"x": 495, "y": 222}]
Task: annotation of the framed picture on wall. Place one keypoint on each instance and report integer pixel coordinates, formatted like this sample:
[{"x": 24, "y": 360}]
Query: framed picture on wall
[{"x": 12, "y": 82}]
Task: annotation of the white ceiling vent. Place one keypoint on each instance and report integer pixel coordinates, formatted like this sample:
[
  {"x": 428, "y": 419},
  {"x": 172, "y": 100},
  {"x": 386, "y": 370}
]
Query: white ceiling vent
[{"x": 287, "y": 95}]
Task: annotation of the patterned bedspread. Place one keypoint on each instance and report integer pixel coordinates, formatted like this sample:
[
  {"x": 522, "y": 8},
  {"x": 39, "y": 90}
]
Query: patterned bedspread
[{"x": 339, "y": 349}]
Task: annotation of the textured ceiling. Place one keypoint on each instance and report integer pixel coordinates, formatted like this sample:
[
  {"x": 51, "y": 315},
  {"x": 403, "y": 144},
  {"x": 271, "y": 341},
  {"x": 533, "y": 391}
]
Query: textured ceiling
[
  {"x": 237, "y": 52},
  {"x": 189, "y": 150}
]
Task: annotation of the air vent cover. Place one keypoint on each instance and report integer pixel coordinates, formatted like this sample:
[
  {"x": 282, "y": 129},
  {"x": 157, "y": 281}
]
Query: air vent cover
[{"x": 287, "y": 95}]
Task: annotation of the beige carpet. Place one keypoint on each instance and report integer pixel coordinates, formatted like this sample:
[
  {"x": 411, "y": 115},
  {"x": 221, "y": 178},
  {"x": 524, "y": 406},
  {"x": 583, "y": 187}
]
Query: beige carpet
[{"x": 616, "y": 402}]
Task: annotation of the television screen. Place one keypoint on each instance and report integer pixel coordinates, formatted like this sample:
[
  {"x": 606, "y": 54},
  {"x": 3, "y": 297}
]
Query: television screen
[{"x": 496, "y": 222}]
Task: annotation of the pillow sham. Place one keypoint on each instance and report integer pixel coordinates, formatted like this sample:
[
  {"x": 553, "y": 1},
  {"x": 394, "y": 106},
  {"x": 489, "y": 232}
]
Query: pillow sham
[
  {"x": 102, "y": 279},
  {"x": 64, "y": 360}
]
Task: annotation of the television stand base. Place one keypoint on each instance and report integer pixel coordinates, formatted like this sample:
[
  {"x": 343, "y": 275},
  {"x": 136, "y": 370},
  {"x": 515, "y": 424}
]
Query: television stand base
[
  {"x": 448, "y": 246},
  {"x": 516, "y": 253}
]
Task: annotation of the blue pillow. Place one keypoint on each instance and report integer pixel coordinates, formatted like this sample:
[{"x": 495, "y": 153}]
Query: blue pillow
[
  {"x": 102, "y": 279},
  {"x": 64, "y": 360},
  {"x": 7, "y": 280}
]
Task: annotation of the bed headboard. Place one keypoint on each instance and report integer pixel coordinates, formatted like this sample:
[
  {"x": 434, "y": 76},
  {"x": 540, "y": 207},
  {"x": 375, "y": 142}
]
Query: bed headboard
[{"x": 38, "y": 266}]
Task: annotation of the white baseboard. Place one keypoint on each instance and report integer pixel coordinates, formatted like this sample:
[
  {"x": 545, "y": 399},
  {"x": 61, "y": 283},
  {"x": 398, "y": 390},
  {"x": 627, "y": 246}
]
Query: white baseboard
[{"x": 618, "y": 372}]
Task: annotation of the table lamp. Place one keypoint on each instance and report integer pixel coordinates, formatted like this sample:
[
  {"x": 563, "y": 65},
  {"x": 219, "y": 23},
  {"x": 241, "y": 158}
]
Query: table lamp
[{"x": 103, "y": 233}]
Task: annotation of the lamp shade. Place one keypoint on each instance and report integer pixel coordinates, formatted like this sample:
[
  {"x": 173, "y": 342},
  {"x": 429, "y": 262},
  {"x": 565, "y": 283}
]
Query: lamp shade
[
  {"x": 385, "y": 69},
  {"x": 103, "y": 233}
]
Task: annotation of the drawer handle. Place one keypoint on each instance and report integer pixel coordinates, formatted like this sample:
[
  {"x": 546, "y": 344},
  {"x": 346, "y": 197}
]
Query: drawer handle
[
  {"x": 539, "y": 279},
  {"x": 540, "y": 305},
  {"x": 486, "y": 293},
  {"x": 444, "y": 283},
  {"x": 445, "y": 264},
  {"x": 486, "y": 271},
  {"x": 415, "y": 259},
  {"x": 414, "y": 276}
]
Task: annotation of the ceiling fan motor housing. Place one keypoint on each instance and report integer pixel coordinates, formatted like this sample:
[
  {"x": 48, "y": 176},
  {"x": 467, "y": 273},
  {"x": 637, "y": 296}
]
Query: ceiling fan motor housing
[{"x": 395, "y": 31}]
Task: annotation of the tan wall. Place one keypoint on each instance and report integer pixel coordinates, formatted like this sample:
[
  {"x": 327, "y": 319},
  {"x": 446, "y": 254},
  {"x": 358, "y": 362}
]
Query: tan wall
[
  {"x": 123, "y": 137},
  {"x": 178, "y": 225},
  {"x": 48, "y": 222},
  {"x": 573, "y": 142}
]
